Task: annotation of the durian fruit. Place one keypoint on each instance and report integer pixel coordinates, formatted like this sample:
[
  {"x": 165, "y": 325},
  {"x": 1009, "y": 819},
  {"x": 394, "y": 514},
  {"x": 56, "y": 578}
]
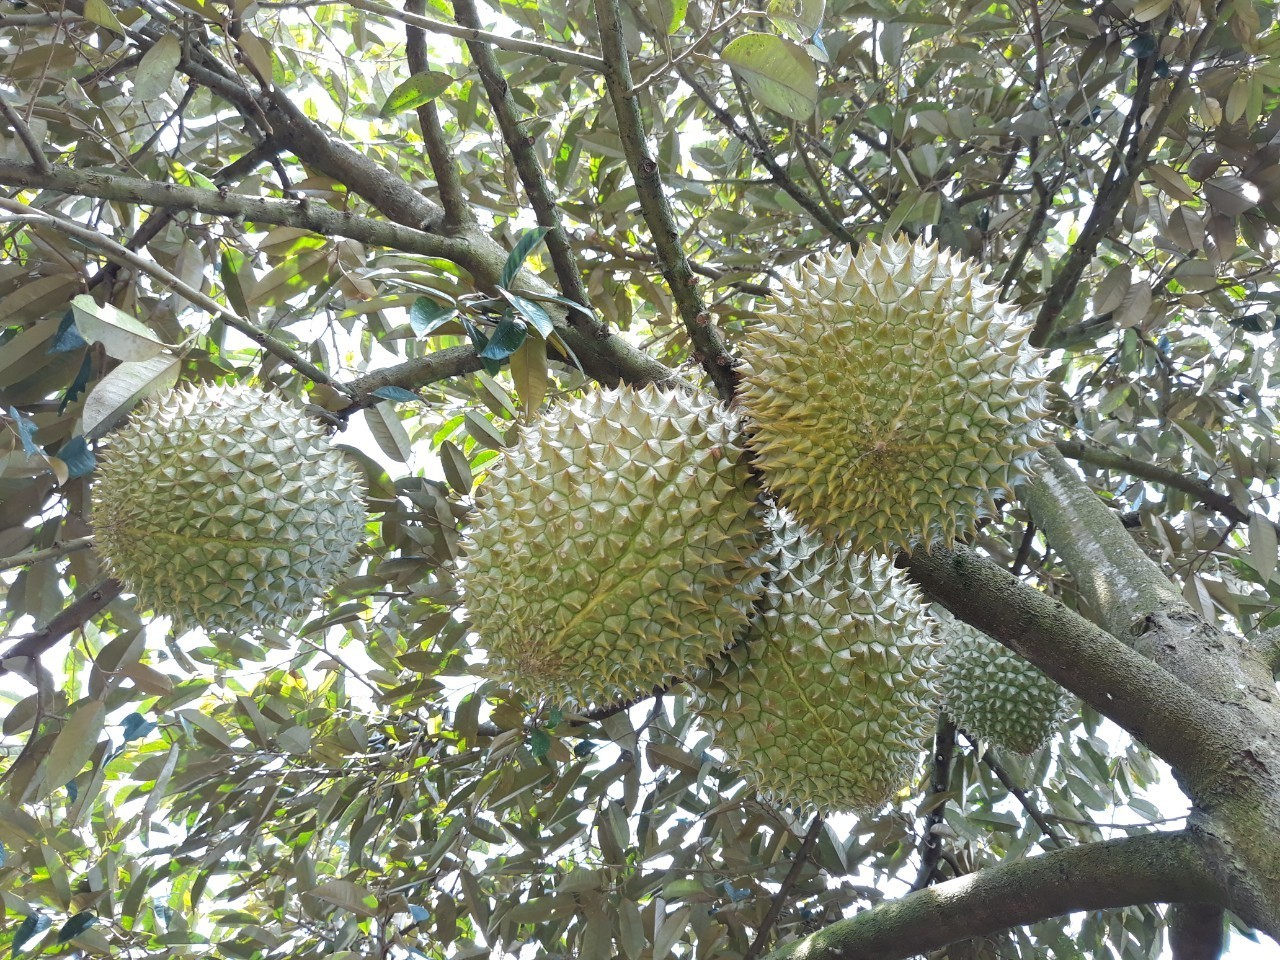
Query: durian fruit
[
  {"x": 614, "y": 546},
  {"x": 830, "y": 701},
  {"x": 892, "y": 395},
  {"x": 994, "y": 694},
  {"x": 225, "y": 507}
]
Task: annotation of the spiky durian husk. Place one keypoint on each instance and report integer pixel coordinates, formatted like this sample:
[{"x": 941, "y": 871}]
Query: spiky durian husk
[
  {"x": 891, "y": 396},
  {"x": 225, "y": 507},
  {"x": 830, "y": 701},
  {"x": 993, "y": 693},
  {"x": 614, "y": 546}
]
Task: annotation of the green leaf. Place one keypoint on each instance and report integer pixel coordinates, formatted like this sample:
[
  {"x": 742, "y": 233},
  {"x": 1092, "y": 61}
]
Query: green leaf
[
  {"x": 539, "y": 743},
  {"x": 520, "y": 252},
  {"x": 116, "y": 394},
  {"x": 31, "y": 924},
  {"x": 75, "y": 744},
  {"x": 156, "y": 69},
  {"x": 426, "y": 315},
  {"x": 123, "y": 337},
  {"x": 538, "y": 318},
  {"x": 419, "y": 89},
  {"x": 529, "y": 373},
  {"x": 457, "y": 471},
  {"x": 347, "y": 895},
  {"x": 97, "y": 11},
  {"x": 506, "y": 338},
  {"x": 667, "y": 15},
  {"x": 778, "y": 71},
  {"x": 803, "y": 16},
  {"x": 77, "y": 925}
]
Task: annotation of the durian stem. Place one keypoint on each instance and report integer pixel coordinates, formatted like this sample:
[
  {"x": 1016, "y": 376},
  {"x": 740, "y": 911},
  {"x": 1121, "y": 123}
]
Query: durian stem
[
  {"x": 1152, "y": 868},
  {"x": 996, "y": 767},
  {"x": 944, "y": 748},
  {"x": 780, "y": 898}
]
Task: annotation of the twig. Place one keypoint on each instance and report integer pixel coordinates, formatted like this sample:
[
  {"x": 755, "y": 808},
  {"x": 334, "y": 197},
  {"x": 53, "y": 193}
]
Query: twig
[
  {"x": 124, "y": 255},
  {"x": 70, "y": 619},
  {"x": 780, "y": 898},
  {"x": 58, "y": 549},
  {"x": 931, "y": 851},
  {"x": 545, "y": 50},
  {"x": 1100, "y": 456},
  {"x": 24, "y": 133},
  {"x": 1024, "y": 549},
  {"x": 520, "y": 143},
  {"x": 412, "y": 374},
  {"x": 290, "y": 213},
  {"x": 707, "y": 340},
  {"x": 453, "y": 198},
  {"x": 1020, "y": 795}
]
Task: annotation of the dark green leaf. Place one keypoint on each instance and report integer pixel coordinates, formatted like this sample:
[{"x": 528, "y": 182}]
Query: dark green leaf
[
  {"x": 539, "y": 743},
  {"x": 520, "y": 252},
  {"x": 137, "y": 726},
  {"x": 77, "y": 925},
  {"x": 399, "y": 394},
  {"x": 81, "y": 381},
  {"x": 68, "y": 337},
  {"x": 506, "y": 338},
  {"x": 538, "y": 318},
  {"x": 426, "y": 315},
  {"x": 32, "y": 924},
  {"x": 80, "y": 461}
]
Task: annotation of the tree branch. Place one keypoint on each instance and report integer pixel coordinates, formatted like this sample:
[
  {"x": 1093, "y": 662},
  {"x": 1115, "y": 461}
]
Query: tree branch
[
  {"x": 1202, "y": 492},
  {"x": 29, "y": 141},
  {"x": 292, "y": 213},
  {"x": 944, "y": 748},
  {"x": 780, "y": 898},
  {"x": 708, "y": 341},
  {"x": 1153, "y": 868},
  {"x": 70, "y": 619},
  {"x": 453, "y": 198},
  {"x": 1186, "y": 729},
  {"x": 1195, "y": 931},
  {"x": 545, "y": 50},
  {"x": 520, "y": 143},
  {"x": 412, "y": 374},
  {"x": 60, "y": 548},
  {"x": 996, "y": 767}
]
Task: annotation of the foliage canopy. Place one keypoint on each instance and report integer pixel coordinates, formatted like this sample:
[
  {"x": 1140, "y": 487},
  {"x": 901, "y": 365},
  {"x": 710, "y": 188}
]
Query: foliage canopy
[{"x": 429, "y": 223}]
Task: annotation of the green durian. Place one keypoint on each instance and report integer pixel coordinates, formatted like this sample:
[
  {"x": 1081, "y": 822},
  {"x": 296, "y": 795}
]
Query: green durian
[
  {"x": 892, "y": 396},
  {"x": 830, "y": 702},
  {"x": 614, "y": 547},
  {"x": 226, "y": 507}
]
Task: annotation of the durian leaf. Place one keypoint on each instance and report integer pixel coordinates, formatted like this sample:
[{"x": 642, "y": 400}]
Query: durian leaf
[
  {"x": 539, "y": 743},
  {"x": 26, "y": 432},
  {"x": 667, "y": 15},
  {"x": 456, "y": 469},
  {"x": 115, "y": 395},
  {"x": 483, "y": 431},
  {"x": 419, "y": 89},
  {"x": 122, "y": 336},
  {"x": 80, "y": 461},
  {"x": 1262, "y": 545},
  {"x": 506, "y": 338},
  {"x": 803, "y": 17},
  {"x": 537, "y": 317},
  {"x": 530, "y": 374},
  {"x": 68, "y": 337},
  {"x": 389, "y": 432},
  {"x": 520, "y": 252},
  {"x": 157, "y": 67},
  {"x": 77, "y": 925},
  {"x": 398, "y": 394},
  {"x": 348, "y": 896},
  {"x": 427, "y": 317},
  {"x": 31, "y": 924},
  {"x": 74, "y": 746},
  {"x": 778, "y": 71}
]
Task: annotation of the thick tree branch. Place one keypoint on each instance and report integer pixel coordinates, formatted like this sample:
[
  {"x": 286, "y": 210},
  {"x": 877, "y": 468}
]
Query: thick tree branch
[
  {"x": 61, "y": 548},
  {"x": 1154, "y": 868},
  {"x": 520, "y": 143},
  {"x": 1184, "y": 728},
  {"x": 457, "y": 212},
  {"x": 708, "y": 341},
  {"x": 1119, "y": 582},
  {"x": 1195, "y": 931},
  {"x": 72, "y": 618},
  {"x": 412, "y": 374}
]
